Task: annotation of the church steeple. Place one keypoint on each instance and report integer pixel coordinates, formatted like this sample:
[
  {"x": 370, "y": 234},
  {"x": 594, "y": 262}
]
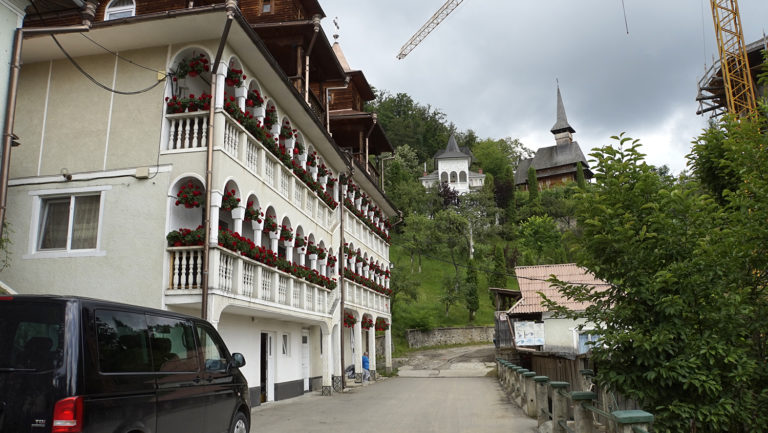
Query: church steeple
[{"x": 562, "y": 130}]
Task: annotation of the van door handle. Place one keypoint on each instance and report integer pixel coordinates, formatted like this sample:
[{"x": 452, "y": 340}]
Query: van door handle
[{"x": 196, "y": 380}]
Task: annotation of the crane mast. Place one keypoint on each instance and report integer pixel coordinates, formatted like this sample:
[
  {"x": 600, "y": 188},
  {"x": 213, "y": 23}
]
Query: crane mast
[
  {"x": 427, "y": 28},
  {"x": 739, "y": 92}
]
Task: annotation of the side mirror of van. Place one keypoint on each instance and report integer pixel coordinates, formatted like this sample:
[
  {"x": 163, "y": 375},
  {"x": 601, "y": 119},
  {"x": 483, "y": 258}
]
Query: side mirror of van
[{"x": 238, "y": 360}]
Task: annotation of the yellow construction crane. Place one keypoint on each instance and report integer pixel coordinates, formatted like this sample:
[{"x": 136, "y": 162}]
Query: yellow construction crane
[
  {"x": 734, "y": 65},
  {"x": 427, "y": 28}
]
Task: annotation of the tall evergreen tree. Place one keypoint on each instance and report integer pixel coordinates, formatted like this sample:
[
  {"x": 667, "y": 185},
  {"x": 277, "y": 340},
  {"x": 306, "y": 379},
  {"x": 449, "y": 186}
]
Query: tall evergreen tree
[
  {"x": 580, "y": 181},
  {"x": 470, "y": 290},
  {"x": 533, "y": 185},
  {"x": 498, "y": 277}
]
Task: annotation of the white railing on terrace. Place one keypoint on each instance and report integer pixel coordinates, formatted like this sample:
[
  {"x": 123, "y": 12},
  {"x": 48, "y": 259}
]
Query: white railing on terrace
[
  {"x": 232, "y": 131},
  {"x": 187, "y": 130},
  {"x": 236, "y": 276},
  {"x": 363, "y": 297}
]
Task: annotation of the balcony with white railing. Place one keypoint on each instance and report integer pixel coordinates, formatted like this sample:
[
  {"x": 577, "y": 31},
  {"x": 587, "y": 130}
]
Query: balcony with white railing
[
  {"x": 361, "y": 297},
  {"x": 239, "y": 278}
]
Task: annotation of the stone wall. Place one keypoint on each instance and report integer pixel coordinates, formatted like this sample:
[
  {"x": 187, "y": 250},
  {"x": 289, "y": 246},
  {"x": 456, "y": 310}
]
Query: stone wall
[{"x": 446, "y": 336}]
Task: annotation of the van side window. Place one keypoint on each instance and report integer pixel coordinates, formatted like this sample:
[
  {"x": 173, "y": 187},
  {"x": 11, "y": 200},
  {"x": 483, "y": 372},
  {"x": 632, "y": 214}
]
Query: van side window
[
  {"x": 173, "y": 344},
  {"x": 212, "y": 347},
  {"x": 31, "y": 338},
  {"x": 123, "y": 342}
]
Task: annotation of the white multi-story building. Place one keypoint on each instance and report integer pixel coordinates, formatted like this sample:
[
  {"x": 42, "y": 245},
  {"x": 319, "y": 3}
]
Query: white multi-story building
[{"x": 107, "y": 193}]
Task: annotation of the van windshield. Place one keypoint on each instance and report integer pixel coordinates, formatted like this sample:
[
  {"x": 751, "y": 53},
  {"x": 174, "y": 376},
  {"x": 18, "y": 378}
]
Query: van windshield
[{"x": 31, "y": 335}]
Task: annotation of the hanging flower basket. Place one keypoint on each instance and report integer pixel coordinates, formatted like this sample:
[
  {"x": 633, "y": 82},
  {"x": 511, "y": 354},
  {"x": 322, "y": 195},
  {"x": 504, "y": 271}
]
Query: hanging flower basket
[
  {"x": 311, "y": 248},
  {"x": 229, "y": 201},
  {"x": 270, "y": 118},
  {"x": 382, "y": 324},
  {"x": 190, "y": 196},
  {"x": 253, "y": 214},
  {"x": 193, "y": 67},
  {"x": 254, "y": 99},
  {"x": 234, "y": 77},
  {"x": 270, "y": 225},
  {"x": 367, "y": 323},
  {"x": 321, "y": 254},
  {"x": 300, "y": 242},
  {"x": 349, "y": 320},
  {"x": 286, "y": 234},
  {"x": 331, "y": 261}
]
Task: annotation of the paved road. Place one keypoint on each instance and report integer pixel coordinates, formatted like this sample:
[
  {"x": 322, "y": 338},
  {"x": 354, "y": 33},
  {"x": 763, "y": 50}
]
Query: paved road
[{"x": 400, "y": 404}]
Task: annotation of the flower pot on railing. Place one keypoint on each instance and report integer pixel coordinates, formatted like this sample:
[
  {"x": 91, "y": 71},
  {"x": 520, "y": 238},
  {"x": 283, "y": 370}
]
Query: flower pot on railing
[
  {"x": 312, "y": 257},
  {"x": 274, "y": 235},
  {"x": 289, "y": 143},
  {"x": 322, "y": 180},
  {"x": 313, "y": 172},
  {"x": 357, "y": 202},
  {"x": 257, "y": 226},
  {"x": 364, "y": 209},
  {"x": 240, "y": 92},
  {"x": 350, "y": 194}
]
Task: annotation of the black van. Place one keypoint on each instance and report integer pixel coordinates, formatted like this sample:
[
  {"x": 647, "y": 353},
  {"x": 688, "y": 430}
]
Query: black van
[{"x": 70, "y": 364}]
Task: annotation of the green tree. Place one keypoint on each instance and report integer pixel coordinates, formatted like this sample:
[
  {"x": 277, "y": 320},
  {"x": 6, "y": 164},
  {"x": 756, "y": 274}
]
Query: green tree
[
  {"x": 682, "y": 326},
  {"x": 542, "y": 240},
  {"x": 498, "y": 276},
  {"x": 580, "y": 181},
  {"x": 533, "y": 186},
  {"x": 471, "y": 298},
  {"x": 415, "y": 237}
]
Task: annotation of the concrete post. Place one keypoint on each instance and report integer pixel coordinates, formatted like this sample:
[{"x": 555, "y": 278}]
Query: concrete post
[
  {"x": 327, "y": 362},
  {"x": 358, "y": 330},
  {"x": 529, "y": 401},
  {"x": 542, "y": 400},
  {"x": 581, "y": 416},
  {"x": 627, "y": 419},
  {"x": 388, "y": 351},
  {"x": 519, "y": 386},
  {"x": 372, "y": 352},
  {"x": 559, "y": 405}
]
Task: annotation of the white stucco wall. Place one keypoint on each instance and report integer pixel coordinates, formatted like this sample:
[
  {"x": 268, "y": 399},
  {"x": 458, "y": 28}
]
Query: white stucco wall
[
  {"x": 11, "y": 16},
  {"x": 560, "y": 335}
]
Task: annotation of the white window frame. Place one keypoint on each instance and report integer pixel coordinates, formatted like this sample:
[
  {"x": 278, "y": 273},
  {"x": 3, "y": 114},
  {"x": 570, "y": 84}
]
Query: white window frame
[
  {"x": 285, "y": 344},
  {"x": 37, "y": 214},
  {"x": 119, "y": 10}
]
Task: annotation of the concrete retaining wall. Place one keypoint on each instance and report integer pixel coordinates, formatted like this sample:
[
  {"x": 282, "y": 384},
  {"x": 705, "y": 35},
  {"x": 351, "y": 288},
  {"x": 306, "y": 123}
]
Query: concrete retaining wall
[{"x": 445, "y": 336}]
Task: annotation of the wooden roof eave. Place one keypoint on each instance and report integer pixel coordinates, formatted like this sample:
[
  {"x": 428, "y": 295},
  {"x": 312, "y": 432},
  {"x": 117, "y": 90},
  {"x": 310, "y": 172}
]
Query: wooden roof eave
[{"x": 323, "y": 60}]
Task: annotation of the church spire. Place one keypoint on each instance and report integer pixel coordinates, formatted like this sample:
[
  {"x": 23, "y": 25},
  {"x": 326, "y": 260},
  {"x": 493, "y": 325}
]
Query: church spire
[{"x": 562, "y": 130}]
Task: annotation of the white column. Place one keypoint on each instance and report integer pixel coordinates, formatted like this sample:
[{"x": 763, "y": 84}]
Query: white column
[
  {"x": 221, "y": 75},
  {"x": 302, "y": 257},
  {"x": 372, "y": 348},
  {"x": 327, "y": 359},
  {"x": 274, "y": 237},
  {"x": 388, "y": 349},
  {"x": 238, "y": 214},
  {"x": 358, "y": 350},
  {"x": 288, "y": 252},
  {"x": 215, "y": 205}
]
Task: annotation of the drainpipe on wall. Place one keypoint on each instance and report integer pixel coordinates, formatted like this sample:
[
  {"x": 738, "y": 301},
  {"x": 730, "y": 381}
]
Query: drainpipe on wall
[
  {"x": 342, "y": 263},
  {"x": 88, "y": 14},
  {"x": 231, "y": 8},
  {"x": 316, "y": 23}
]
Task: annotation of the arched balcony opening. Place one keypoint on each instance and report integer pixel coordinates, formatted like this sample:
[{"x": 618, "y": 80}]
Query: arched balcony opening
[
  {"x": 287, "y": 138},
  {"x": 443, "y": 177},
  {"x": 330, "y": 262},
  {"x": 454, "y": 177},
  {"x": 285, "y": 239},
  {"x": 254, "y": 102},
  {"x": 300, "y": 246},
  {"x": 463, "y": 177},
  {"x": 271, "y": 123},
  {"x": 230, "y": 202},
  {"x": 269, "y": 229},
  {"x": 253, "y": 218},
  {"x": 187, "y": 204},
  {"x": 234, "y": 81},
  {"x": 187, "y": 101}
]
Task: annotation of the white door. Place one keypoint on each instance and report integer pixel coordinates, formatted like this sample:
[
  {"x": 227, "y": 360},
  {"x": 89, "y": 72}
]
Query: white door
[
  {"x": 305, "y": 358},
  {"x": 271, "y": 367}
]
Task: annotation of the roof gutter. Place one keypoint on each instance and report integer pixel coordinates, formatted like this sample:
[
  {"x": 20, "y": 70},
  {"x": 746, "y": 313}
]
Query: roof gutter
[
  {"x": 9, "y": 139},
  {"x": 231, "y": 7}
]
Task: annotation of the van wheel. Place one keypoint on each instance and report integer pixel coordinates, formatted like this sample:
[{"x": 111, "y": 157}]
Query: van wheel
[{"x": 239, "y": 424}]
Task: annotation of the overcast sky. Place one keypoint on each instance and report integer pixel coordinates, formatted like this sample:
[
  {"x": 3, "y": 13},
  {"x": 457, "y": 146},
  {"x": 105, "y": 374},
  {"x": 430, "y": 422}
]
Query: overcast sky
[{"x": 491, "y": 65}]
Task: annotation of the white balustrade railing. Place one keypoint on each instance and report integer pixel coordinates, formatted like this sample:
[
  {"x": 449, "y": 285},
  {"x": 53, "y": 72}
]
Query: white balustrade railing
[
  {"x": 232, "y": 131},
  {"x": 187, "y": 130},
  {"x": 238, "y": 276},
  {"x": 363, "y": 297},
  {"x": 252, "y": 155}
]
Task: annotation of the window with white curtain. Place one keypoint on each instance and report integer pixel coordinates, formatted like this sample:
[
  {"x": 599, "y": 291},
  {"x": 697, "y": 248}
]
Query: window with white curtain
[
  {"x": 69, "y": 223},
  {"x": 120, "y": 9}
]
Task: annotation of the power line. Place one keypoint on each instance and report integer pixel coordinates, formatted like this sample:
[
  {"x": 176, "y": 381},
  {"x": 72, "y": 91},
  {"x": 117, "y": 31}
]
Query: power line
[{"x": 114, "y": 53}]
